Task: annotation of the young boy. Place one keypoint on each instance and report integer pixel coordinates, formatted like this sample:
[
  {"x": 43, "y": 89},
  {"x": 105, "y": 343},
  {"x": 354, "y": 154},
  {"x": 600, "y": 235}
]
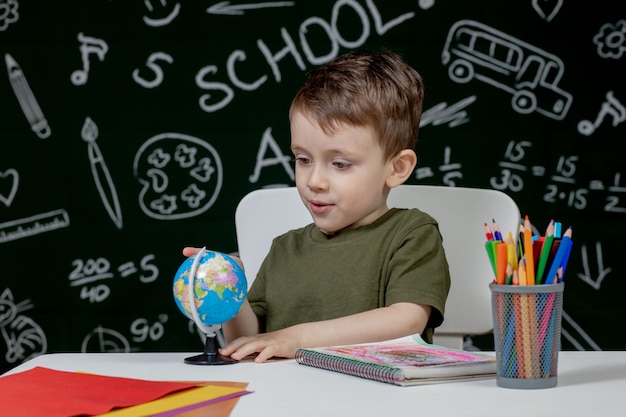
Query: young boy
[{"x": 361, "y": 272}]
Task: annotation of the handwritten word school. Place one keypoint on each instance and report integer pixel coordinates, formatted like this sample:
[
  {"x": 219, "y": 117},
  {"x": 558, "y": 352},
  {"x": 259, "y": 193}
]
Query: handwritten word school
[{"x": 534, "y": 260}]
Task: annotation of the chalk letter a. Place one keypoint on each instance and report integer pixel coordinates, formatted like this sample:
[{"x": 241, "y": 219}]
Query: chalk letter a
[{"x": 279, "y": 158}]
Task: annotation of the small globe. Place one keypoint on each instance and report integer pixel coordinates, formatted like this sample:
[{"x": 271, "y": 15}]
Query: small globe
[{"x": 219, "y": 288}]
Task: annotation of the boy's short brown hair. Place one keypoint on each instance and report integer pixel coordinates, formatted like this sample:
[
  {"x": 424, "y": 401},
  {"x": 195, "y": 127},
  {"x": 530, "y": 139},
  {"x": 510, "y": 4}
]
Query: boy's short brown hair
[{"x": 373, "y": 89}]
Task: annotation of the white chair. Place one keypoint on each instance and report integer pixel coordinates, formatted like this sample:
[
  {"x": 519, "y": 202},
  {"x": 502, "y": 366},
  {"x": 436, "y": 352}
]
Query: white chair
[{"x": 461, "y": 212}]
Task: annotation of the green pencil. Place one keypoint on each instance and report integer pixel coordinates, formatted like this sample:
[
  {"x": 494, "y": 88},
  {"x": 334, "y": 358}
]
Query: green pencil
[
  {"x": 490, "y": 247},
  {"x": 545, "y": 252}
]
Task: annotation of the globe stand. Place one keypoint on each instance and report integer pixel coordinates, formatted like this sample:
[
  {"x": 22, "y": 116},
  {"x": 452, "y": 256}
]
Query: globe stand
[{"x": 210, "y": 355}]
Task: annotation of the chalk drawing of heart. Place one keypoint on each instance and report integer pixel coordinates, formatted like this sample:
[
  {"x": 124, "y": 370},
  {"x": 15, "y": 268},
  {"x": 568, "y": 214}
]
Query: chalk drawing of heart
[
  {"x": 547, "y": 9},
  {"x": 8, "y": 175}
]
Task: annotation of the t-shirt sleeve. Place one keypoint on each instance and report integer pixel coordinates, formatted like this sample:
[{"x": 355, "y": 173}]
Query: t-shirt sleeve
[{"x": 418, "y": 271}]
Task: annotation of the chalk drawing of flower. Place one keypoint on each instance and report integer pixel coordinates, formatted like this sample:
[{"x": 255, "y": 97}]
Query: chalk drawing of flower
[
  {"x": 611, "y": 40},
  {"x": 8, "y": 13}
]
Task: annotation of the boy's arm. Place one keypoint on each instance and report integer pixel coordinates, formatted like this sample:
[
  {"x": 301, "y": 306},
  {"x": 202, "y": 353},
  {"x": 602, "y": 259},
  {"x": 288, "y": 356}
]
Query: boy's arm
[
  {"x": 243, "y": 324},
  {"x": 384, "y": 323}
]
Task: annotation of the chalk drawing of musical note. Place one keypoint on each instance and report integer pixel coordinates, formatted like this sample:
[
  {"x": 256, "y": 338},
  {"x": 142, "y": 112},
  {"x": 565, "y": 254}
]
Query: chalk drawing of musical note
[
  {"x": 100, "y": 171},
  {"x": 28, "y": 103},
  {"x": 611, "y": 107},
  {"x": 88, "y": 45}
]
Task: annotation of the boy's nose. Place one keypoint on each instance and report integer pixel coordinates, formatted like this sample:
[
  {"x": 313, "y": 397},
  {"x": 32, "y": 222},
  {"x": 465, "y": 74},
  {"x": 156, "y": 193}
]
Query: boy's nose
[{"x": 317, "y": 178}]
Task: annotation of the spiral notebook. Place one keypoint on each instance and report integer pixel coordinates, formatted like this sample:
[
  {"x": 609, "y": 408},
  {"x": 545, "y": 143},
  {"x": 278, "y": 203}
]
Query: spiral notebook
[{"x": 405, "y": 361}]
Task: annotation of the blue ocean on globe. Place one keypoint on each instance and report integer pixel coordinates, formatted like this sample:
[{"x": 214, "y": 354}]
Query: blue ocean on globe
[{"x": 219, "y": 288}]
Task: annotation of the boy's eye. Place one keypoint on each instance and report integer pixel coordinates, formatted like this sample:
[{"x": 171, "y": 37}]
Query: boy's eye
[
  {"x": 302, "y": 160},
  {"x": 341, "y": 164}
]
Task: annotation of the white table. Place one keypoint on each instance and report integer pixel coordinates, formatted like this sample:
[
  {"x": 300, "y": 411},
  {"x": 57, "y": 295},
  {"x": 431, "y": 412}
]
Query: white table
[{"x": 589, "y": 384}]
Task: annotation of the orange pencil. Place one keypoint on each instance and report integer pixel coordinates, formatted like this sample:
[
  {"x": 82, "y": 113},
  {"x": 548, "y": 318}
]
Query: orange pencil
[
  {"x": 528, "y": 253},
  {"x": 501, "y": 263}
]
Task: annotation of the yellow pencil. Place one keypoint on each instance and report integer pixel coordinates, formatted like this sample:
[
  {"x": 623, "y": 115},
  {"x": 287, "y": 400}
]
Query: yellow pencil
[
  {"x": 522, "y": 272},
  {"x": 511, "y": 251}
]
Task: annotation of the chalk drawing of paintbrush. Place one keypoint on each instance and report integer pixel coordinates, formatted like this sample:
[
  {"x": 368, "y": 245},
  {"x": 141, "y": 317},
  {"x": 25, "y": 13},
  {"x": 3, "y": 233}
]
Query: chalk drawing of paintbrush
[{"x": 100, "y": 172}]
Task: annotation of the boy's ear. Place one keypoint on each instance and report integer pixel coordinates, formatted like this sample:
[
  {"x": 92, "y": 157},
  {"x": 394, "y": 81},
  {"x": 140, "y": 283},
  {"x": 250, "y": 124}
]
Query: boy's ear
[{"x": 401, "y": 167}]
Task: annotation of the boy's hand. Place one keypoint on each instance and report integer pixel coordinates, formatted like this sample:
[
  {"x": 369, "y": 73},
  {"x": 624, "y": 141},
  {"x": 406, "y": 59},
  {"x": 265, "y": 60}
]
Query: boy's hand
[
  {"x": 282, "y": 343},
  {"x": 190, "y": 251}
]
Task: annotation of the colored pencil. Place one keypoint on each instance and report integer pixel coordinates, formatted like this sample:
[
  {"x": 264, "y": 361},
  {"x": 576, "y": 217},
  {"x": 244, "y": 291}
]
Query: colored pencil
[
  {"x": 545, "y": 253},
  {"x": 490, "y": 248},
  {"x": 519, "y": 338},
  {"x": 508, "y": 277},
  {"x": 528, "y": 253},
  {"x": 565, "y": 259},
  {"x": 521, "y": 270},
  {"x": 511, "y": 252},
  {"x": 560, "y": 254},
  {"x": 523, "y": 319},
  {"x": 501, "y": 262},
  {"x": 496, "y": 231},
  {"x": 488, "y": 233}
]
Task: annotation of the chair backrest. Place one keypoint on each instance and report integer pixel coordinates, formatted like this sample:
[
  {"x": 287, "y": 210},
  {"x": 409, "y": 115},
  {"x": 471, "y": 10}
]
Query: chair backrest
[{"x": 461, "y": 212}]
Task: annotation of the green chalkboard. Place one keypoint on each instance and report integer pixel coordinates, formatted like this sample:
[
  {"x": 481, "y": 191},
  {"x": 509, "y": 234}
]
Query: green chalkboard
[{"x": 129, "y": 130}]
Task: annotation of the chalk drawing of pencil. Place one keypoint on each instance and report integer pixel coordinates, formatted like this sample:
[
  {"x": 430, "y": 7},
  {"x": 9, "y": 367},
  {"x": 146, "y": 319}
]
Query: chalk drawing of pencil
[
  {"x": 28, "y": 103},
  {"x": 100, "y": 172}
]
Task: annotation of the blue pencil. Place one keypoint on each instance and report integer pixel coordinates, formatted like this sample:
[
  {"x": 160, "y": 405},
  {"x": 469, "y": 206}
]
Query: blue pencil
[
  {"x": 566, "y": 258},
  {"x": 560, "y": 254}
]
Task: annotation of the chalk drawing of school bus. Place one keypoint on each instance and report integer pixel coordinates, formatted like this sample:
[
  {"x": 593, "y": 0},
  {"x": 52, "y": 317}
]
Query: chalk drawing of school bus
[{"x": 531, "y": 75}]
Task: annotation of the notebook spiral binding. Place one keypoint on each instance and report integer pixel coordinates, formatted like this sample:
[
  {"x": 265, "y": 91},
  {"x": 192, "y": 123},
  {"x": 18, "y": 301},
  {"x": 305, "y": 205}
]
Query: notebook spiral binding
[{"x": 366, "y": 370}]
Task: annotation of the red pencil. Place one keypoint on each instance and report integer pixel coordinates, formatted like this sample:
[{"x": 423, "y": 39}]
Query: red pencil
[{"x": 488, "y": 233}]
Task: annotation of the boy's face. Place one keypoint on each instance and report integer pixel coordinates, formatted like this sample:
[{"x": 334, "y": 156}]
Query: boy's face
[{"x": 340, "y": 178}]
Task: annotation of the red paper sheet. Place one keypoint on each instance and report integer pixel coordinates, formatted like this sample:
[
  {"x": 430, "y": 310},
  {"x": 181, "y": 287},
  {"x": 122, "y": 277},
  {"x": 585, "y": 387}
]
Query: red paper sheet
[{"x": 51, "y": 393}]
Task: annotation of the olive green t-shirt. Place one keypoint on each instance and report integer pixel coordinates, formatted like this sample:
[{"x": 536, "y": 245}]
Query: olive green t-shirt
[{"x": 310, "y": 276}]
